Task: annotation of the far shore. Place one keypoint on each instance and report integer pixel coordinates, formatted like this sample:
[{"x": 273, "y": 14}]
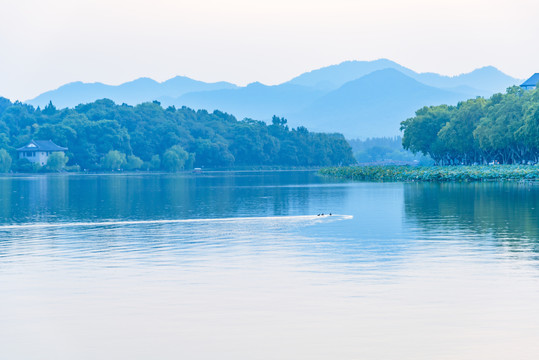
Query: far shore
[{"x": 144, "y": 172}]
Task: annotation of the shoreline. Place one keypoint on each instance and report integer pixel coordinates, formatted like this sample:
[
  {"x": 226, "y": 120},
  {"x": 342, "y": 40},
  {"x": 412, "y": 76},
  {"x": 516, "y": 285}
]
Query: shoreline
[
  {"x": 183, "y": 172},
  {"x": 456, "y": 173}
]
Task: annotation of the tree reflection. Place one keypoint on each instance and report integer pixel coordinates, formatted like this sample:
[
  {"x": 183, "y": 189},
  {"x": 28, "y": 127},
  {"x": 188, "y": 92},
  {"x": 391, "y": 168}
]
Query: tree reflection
[
  {"x": 507, "y": 211},
  {"x": 67, "y": 198}
]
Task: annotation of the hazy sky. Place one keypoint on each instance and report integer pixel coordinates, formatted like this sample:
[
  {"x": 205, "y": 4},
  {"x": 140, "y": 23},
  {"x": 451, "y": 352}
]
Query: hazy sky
[{"x": 47, "y": 43}]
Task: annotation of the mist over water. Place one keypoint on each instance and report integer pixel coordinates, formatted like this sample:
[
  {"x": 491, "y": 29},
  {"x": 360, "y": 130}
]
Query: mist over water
[{"x": 239, "y": 266}]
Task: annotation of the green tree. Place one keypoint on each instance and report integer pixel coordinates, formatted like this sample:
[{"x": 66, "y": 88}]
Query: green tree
[
  {"x": 133, "y": 163},
  {"x": 90, "y": 131},
  {"x": 155, "y": 162},
  {"x": 457, "y": 134},
  {"x": 212, "y": 153},
  {"x": 5, "y": 161},
  {"x": 56, "y": 161},
  {"x": 529, "y": 132},
  {"x": 174, "y": 158},
  {"x": 25, "y": 166},
  {"x": 498, "y": 131},
  {"x": 420, "y": 133},
  {"x": 114, "y": 160},
  {"x": 50, "y": 109}
]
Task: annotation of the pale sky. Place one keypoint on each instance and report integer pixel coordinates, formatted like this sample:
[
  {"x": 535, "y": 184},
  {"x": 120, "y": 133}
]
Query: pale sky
[{"x": 47, "y": 43}]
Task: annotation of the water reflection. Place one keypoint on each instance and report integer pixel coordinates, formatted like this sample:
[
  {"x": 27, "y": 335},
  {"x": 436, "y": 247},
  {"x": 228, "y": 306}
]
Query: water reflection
[
  {"x": 419, "y": 267},
  {"x": 506, "y": 213},
  {"x": 86, "y": 198}
]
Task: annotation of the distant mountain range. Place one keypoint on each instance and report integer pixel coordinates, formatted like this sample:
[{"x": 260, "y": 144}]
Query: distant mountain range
[
  {"x": 132, "y": 92},
  {"x": 357, "y": 98}
]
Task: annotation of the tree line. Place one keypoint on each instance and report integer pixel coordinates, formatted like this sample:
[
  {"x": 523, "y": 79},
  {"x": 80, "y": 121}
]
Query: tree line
[
  {"x": 502, "y": 129},
  {"x": 105, "y": 136}
]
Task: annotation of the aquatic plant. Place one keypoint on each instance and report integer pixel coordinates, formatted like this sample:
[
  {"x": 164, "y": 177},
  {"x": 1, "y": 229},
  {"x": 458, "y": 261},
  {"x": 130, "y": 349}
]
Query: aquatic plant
[{"x": 435, "y": 173}]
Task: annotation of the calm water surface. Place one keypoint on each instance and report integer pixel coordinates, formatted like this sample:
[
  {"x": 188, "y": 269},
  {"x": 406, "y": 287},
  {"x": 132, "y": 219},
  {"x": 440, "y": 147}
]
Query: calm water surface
[{"x": 235, "y": 266}]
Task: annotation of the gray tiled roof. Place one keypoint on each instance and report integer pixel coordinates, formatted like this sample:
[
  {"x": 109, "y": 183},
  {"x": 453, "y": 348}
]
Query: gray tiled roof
[
  {"x": 531, "y": 81},
  {"x": 41, "y": 145}
]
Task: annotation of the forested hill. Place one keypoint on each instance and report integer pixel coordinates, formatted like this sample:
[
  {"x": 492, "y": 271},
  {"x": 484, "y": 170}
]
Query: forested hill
[
  {"x": 502, "y": 129},
  {"x": 104, "y": 135}
]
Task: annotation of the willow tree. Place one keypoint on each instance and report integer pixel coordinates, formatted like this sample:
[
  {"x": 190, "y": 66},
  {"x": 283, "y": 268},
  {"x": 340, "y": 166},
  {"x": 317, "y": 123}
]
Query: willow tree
[{"x": 5, "y": 161}]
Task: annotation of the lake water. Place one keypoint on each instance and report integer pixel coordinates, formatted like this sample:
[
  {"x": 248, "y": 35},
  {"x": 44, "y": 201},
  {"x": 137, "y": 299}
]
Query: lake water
[{"x": 238, "y": 266}]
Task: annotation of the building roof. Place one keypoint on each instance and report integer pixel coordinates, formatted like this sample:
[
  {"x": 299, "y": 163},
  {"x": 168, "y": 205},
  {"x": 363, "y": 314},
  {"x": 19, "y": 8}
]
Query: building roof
[
  {"x": 531, "y": 81},
  {"x": 41, "y": 145}
]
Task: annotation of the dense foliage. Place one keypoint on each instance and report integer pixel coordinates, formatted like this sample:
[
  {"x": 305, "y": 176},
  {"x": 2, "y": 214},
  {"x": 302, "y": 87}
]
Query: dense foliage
[
  {"x": 384, "y": 150},
  {"x": 105, "y": 136},
  {"x": 434, "y": 173},
  {"x": 502, "y": 129}
]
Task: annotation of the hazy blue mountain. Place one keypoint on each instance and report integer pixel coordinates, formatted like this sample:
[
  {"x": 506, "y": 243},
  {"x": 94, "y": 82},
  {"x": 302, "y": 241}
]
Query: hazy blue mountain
[
  {"x": 488, "y": 80},
  {"x": 470, "y": 92},
  {"x": 484, "y": 81},
  {"x": 133, "y": 92},
  {"x": 357, "y": 98},
  {"x": 372, "y": 106},
  {"x": 332, "y": 77},
  {"x": 256, "y": 100}
]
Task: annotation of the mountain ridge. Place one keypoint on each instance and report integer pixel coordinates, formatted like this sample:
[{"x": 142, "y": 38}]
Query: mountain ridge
[
  {"x": 370, "y": 111},
  {"x": 132, "y": 92},
  {"x": 306, "y": 98}
]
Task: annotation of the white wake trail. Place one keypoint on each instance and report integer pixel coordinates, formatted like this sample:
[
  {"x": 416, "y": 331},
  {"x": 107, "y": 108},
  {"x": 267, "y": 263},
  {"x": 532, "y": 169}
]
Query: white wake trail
[{"x": 173, "y": 221}]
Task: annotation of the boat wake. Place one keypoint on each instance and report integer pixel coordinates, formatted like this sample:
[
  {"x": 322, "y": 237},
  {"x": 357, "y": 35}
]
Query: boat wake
[{"x": 315, "y": 218}]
